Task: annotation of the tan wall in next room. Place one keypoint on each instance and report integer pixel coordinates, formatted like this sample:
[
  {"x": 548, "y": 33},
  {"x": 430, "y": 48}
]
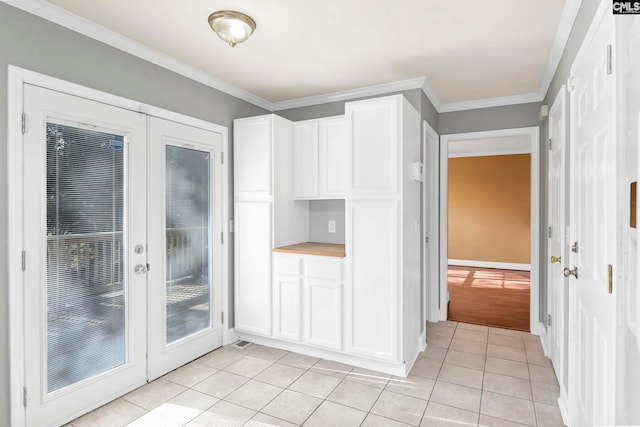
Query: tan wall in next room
[{"x": 489, "y": 208}]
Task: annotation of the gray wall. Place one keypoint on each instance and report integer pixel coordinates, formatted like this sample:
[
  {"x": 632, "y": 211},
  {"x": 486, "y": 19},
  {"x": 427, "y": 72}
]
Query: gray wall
[
  {"x": 581, "y": 25},
  {"x": 39, "y": 45},
  {"x": 322, "y": 211},
  {"x": 493, "y": 118}
]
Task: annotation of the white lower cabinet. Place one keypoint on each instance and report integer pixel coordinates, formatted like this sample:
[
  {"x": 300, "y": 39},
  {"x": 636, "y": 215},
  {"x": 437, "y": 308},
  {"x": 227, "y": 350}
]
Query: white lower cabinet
[
  {"x": 287, "y": 301},
  {"x": 308, "y": 305},
  {"x": 323, "y": 313}
]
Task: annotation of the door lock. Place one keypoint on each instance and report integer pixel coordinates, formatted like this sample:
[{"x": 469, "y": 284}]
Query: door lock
[
  {"x": 574, "y": 247},
  {"x": 555, "y": 259},
  {"x": 567, "y": 272},
  {"x": 140, "y": 269}
]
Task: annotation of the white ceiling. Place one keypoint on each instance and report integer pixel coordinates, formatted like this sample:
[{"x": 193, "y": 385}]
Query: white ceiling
[{"x": 468, "y": 50}]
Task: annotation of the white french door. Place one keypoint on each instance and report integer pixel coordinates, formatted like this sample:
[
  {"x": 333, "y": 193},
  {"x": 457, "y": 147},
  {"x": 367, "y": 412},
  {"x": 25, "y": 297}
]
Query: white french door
[
  {"x": 593, "y": 228},
  {"x": 185, "y": 231},
  {"x": 122, "y": 277},
  {"x": 84, "y": 213}
]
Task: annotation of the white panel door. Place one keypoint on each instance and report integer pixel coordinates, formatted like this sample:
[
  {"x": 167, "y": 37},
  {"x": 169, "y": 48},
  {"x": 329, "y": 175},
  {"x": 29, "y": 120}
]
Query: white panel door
[
  {"x": 185, "y": 246},
  {"x": 373, "y": 141},
  {"x": 305, "y": 159},
  {"x": 372, "y": 296},
  {"x": 323, "y": 310},
  {"x": 252, "y": 278},
  {"x": 85, "y": 212},
  {"x": 593, "y": 229},
  {"x": 556, "y": 244},
  {"x": 252, "y": 156},
  {"x": 333, "y": 157},
  {"x": 628, "y": 328}
]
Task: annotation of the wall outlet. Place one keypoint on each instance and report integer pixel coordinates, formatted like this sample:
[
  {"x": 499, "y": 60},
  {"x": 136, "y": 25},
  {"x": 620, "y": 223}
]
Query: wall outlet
[{"x": 332, "y": 226}]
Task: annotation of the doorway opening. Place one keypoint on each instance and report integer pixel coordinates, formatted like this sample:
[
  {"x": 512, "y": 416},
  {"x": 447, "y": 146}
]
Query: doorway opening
[{"x": 489, "y": 228}]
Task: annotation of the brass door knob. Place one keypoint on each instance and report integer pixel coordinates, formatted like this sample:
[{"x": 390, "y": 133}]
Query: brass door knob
[{"x": 555, "y": 259}]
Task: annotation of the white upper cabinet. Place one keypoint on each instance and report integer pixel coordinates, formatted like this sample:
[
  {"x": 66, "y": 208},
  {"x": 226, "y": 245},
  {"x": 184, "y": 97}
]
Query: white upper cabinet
[
  {"x": 319, "y": 158},
  {"x": 333, "y": 158},
  {"x": 305, "y": 159},
  {"x": 252, "y": 156},
  {"x": 374, "y": 144}
]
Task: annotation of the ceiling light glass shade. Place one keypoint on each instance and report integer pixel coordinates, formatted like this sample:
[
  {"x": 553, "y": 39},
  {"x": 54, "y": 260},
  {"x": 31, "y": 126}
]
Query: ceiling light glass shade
[{"x": 232, "y": 27}]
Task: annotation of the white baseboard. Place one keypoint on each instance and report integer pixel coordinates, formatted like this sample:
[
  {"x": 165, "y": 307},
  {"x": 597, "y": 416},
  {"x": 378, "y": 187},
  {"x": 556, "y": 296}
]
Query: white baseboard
[
  {"x": 562, "y": 403},
  {"x": 397, "y": 369},
  {"x": 423, "y": 340},
  {"x": 543, "y": 340},
  {"x": 490, "y": 264}
]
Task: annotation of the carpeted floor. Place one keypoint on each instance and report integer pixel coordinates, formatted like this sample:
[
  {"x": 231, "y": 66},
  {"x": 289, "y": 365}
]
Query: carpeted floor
[{"x": 489, "y": 297}]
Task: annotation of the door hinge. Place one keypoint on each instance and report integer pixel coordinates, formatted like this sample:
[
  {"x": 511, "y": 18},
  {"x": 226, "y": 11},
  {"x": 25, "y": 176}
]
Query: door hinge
[
  {"x": 609, "y": 59},
  {"x": 24, "y": 123},
  {"x": 148, "y": 267},
  {"x": 222, "y": 318},
  {"x": 550, "y": 144},
  {"x": 426, "y": 239},
  {"x": 610, "y": 277},
  {"x": 548, "y": 320},
  {"x": 550, "y": 232},
  {"x": 24, "y": 260},
  {"x": 222, "y": 238},
  {"x": 24, "y": 396},
  {"x": 222, "y": 158}
]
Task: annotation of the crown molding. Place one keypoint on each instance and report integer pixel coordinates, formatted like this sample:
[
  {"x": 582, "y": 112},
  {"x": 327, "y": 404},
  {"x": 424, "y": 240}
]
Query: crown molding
[
  {"x": 55, "y": 14},
  {"x": 491, "y": 102},
  {"x": 567, "y": 18},
  {"x": 431, "y": 94},
  {"x": 344, "y": 95}
]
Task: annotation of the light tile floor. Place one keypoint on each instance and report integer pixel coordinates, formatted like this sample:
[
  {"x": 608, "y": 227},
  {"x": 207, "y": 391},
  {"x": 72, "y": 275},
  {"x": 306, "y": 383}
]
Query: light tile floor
[{"x": 469, "y": 376}]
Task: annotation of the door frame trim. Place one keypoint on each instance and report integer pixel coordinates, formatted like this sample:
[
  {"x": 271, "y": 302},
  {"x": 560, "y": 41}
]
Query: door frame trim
[
  {"x": 533, "y": 133},
  {"x": 17, "y": 78},
  {"x": 430, "y": 221}
]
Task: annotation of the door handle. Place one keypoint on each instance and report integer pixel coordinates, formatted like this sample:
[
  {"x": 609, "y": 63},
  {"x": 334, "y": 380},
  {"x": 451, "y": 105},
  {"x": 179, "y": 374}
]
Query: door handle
[
  {"x": 567, "y": 272},
  {"x": 140, "y": 269},
  {"x": 555, "y": 259}
]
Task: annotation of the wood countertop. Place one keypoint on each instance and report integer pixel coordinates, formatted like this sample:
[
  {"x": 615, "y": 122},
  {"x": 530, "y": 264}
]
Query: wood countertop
[{"x": 314, "y": 248}]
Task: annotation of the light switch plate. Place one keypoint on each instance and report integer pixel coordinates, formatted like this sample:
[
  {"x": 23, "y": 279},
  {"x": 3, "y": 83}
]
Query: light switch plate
[{"x": 332, "y": 226}]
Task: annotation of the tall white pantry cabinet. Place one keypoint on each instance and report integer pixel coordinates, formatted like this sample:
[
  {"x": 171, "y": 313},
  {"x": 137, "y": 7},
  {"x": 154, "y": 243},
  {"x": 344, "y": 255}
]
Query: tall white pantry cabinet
[{"x": 379, "y": 305}]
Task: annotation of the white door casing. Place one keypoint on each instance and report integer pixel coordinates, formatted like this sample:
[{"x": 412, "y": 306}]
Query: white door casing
[
  {"x": 556, "y": 283},
  {"x": 533, "y": 133},
  {"x": 593, "y": 227},
  {"x": 44, "y": 106},
  {"x": 164, "y": 356},
  {"x": 430, "y": 223}
]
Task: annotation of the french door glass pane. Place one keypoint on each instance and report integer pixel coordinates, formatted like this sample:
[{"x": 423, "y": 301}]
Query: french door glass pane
[
  {"x": 85, "y": 290},
  {"x": 188, "y": 176}
]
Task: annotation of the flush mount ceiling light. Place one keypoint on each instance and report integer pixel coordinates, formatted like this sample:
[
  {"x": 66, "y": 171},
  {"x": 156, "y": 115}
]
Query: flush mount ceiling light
[{"x": 231, "y": 26}]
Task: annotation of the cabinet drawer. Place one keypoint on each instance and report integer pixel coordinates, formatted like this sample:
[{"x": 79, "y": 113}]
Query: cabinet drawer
[
  {"x": 288, "y": 265},
  {"x": 324, "y": 269}
]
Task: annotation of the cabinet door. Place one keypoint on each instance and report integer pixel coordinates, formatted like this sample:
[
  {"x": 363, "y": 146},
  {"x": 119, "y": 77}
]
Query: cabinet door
[
  {"x": 333, "y": 157},
  {"x": 323, "y": 308},
  {"x": 373, "y": 141},
  {"x": 253, "y": 267},
  {"x": 372, "y": 297},
  {"x": 305, "y": 160},
  {"x": 287, "y": 295},
  {"x": 252, "y": 140}
]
